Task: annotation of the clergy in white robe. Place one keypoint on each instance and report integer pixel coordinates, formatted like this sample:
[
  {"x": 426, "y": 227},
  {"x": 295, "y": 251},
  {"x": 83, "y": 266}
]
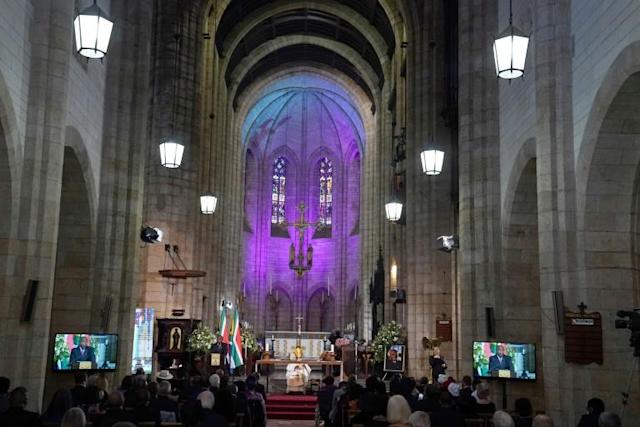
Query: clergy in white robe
[{"x": 297, "y": 376}]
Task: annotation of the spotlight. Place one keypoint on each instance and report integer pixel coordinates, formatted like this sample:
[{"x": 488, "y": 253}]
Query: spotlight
[
  {"x": 151, "y": 234},
  {"x": 448, "y": 243}
]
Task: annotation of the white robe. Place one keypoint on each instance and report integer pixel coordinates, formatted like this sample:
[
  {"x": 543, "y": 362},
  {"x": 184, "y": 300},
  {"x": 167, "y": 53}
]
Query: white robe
[{"x": 297, "y": 377}]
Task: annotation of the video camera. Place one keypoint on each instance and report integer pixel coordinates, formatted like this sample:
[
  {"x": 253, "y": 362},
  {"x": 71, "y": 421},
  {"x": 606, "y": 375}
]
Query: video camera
[{"x": 631, "y": 320}]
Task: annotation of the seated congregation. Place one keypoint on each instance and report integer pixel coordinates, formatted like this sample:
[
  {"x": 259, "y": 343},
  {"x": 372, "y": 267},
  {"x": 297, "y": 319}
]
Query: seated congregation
[{"x": 219, "y": 401}]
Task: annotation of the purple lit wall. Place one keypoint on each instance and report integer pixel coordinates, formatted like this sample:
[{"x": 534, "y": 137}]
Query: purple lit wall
[{"x": 302, "y": 118}]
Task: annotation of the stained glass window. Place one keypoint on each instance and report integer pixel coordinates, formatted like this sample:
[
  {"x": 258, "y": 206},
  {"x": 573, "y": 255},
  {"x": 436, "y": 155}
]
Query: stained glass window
[
  {"x": 278, "y": 187},
  {"x": 326, "y": 191}
]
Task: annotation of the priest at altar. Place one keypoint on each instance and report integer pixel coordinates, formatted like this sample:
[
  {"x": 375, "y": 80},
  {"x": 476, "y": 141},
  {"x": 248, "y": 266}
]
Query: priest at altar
[{"x": 297, "y": 375}]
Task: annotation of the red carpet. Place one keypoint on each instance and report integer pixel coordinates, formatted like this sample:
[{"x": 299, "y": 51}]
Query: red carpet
[{"x": 287, "y": 407}]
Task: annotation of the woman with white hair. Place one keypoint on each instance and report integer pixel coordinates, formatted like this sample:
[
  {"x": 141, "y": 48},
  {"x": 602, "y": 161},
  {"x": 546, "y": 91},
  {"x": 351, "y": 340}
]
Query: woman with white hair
[
  {"x": 208, "y": 418},
  {"x": 74, "y": 417},
  {"x": 502, "y": 419},
  {"x": 420, "y": 419},
  {"x": 398, "y": 411}
]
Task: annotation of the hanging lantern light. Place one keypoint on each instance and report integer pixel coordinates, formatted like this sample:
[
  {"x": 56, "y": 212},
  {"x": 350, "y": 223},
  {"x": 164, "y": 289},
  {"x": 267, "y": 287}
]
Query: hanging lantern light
[
  {"x": 432, "y": 160},
  {"x": 393, "y": 210},
  {"x": 510, "y": 51},
  {"x": 171, "y": 154},
  {"x": 208, "y": 203},
  {"x": 93, "y": 31}
]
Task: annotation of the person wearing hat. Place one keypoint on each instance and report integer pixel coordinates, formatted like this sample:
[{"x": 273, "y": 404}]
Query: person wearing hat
[{"x": 164, "y": 375}]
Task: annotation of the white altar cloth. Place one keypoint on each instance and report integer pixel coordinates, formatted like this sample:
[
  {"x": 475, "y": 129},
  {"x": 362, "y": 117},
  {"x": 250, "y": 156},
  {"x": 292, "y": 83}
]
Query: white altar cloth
[{"x": 285, "y": 342}]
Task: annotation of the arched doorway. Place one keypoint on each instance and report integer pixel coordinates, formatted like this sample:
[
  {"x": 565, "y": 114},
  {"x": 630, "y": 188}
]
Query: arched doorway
[
  {"x": 520, "y": 293},
  {"x": 71, "y": 310},
  {"x": 610, "y": 221}
]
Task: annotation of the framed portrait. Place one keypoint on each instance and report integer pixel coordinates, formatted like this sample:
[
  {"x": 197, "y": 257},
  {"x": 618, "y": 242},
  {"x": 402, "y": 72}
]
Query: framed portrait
[
  {"x": 394, "y": 360},
  {"x": 215, "y": 359}
]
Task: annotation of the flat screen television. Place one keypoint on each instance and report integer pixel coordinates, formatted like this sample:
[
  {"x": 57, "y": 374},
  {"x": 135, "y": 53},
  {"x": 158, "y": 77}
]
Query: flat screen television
[
  {"x": 504, "y": 360},
  {"x": 85, "y": 351}
]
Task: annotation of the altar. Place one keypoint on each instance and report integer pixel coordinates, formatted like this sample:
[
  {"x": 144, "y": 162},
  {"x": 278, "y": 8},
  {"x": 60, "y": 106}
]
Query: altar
[{"x": 282, "y": 343}]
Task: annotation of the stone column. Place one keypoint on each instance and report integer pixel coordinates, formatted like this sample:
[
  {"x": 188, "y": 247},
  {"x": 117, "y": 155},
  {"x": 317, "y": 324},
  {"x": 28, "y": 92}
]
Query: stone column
[
  {"x": 429, "y": 205},
  {"x": 551, "y": 43},
  {"x": 480, "y": 244},
  {"x": 125, "y": 138},
  {"x": 24, "y": 346},
  {"x": 172, "y": 195}
]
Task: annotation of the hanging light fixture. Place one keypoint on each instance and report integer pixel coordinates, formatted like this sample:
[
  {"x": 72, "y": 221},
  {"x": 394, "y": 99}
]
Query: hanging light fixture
[
  {"x": 432, "y": 158},
  {"x": 510, "y": 50},
  {"x": 171, "y": 154},
  {"x": 92, "y": 29},
  {"x": 208, "y": 201},
  {"x": 393, "y": 209},
  {"x": 171, "y": 150}
]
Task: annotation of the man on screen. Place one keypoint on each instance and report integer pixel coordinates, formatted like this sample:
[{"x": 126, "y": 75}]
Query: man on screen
[
  {"x": 82, "y": 353},
  {"x": 500, "y": 361}
]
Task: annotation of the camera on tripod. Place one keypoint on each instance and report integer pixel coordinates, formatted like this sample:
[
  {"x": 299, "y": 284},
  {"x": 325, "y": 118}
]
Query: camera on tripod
[{"x": 631, "y": 320}]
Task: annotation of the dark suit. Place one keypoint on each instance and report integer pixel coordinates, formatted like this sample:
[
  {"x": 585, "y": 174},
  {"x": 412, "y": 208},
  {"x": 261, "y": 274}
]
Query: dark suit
[
  {"x": 393, "y": 365},
  {"x": 495, "y": 364},
  {"x": 437, "y": 367},
  {"x": 79, "y": 395},
  {"x": 78, "y": 355},
  {"x": 208, "y": 418},
  {"x": 19, "y": 417}
]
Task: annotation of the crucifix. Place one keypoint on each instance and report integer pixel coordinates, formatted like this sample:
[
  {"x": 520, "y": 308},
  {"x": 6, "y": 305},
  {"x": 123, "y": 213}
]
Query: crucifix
[{"x": 297, "y": 261}]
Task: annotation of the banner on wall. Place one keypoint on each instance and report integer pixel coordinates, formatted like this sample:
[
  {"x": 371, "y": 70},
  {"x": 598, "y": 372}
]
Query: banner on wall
[{"x": 143, "y": 340}]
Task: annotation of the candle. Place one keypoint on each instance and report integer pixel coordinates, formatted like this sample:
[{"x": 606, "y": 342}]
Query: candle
[
  {"x": 332, "y": 348},
  {"x": 267, "y": 346}
]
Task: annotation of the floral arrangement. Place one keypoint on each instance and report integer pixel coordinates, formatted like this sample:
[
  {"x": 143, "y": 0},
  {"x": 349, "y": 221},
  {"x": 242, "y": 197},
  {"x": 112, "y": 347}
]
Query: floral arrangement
[
  {"x": 200, "y": 340},
  {"x": 341, "y": 342},
  {"x": 248, "y": 339},
  {"x": 390, "y": 333},
  {"x": 60, "y": 351}
]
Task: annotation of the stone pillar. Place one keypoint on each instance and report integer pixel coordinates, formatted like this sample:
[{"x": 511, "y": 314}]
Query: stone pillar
[
  {"x": 125, "y": 138},
  {"x": 429, "y": 206},
  {"x": 479, "y": 165},
  {"x": 24, "y": 346},
  {"x": 172, "y": 195},
  {"x": 551, "y": 43}
]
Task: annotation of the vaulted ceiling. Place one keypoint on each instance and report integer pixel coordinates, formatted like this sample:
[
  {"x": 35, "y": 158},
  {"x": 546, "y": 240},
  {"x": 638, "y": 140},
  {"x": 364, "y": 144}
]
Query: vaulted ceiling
[{"x": 284, "y": 32}]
